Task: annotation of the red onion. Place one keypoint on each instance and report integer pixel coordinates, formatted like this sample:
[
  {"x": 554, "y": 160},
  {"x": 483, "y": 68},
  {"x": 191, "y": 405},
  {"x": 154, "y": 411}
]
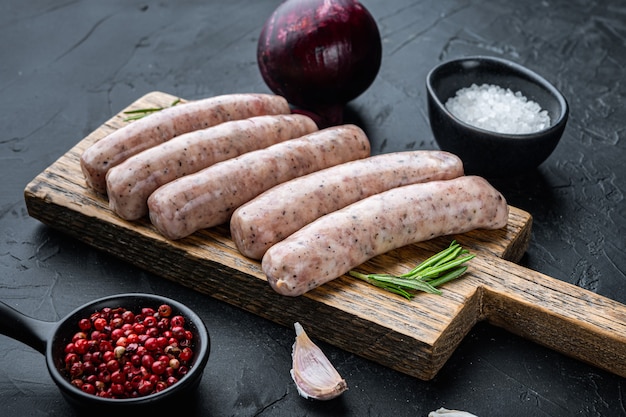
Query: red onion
[{"x": 319, "y": 55}]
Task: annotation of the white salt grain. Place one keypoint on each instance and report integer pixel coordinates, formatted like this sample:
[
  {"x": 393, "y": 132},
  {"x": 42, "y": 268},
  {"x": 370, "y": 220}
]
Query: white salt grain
[{"x": 494, "y": 108}]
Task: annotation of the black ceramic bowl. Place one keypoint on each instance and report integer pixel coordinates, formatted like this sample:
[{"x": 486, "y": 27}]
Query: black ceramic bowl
[
  {"x": 50, "y": 338},
  {"x": 485, "y": 152}
]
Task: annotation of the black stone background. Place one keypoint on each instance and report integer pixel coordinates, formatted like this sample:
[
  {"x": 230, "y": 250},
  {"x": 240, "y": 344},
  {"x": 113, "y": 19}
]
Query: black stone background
[{"x": 67, "y": 66}]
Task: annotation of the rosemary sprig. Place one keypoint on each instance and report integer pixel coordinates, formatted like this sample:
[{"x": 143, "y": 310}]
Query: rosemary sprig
[
  {"x": 427, "y": 276},
  {"x": 140, "y": 113}
]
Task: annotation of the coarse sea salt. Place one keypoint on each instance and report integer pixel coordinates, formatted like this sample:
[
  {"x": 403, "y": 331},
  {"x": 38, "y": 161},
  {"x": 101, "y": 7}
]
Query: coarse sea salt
[{"x": 500, "y": 110}]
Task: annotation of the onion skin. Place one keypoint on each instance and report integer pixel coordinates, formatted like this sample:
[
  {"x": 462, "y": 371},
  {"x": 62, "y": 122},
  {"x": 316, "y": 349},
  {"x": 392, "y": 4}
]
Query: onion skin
[{"x": 319, "y": 55}]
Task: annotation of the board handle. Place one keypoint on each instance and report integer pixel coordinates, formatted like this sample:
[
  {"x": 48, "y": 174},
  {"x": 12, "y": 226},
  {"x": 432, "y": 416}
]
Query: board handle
[{"x": 561, "y": 316}]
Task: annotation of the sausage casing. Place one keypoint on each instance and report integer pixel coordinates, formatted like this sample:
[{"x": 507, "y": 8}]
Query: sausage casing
[
  {"x": 130, "y": 183},
  {"x": 163, "y": 125},
  {"x": 340, "y": 241},
  {"x": 280, "y": 211},
  {"x": 209, "y": 197}
]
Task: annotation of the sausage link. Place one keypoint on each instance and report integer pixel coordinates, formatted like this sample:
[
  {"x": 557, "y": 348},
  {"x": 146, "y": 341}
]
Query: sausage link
[
  {"x": 280, "y": 211},
  {"x": 162, "y": 126},
  {"x": 340, "y": 241},
  {"x": 130, "y": 183},
  {"x": 208, "y": 197}
]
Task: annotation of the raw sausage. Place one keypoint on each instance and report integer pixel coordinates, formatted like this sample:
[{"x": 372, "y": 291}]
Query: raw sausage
[
  {"x": 340, "y": 241},
  {"x": 168, "y": 123},
  {"x": 130, "y": 183},
  {"x": 208, "y": 197},
  {"x": 280, "y": 211}
]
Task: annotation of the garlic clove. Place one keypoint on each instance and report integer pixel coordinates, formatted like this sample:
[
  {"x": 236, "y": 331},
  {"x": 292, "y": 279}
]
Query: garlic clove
[
  {"x": 450, "y": 413},
  {"x": 314, "y": 375}
]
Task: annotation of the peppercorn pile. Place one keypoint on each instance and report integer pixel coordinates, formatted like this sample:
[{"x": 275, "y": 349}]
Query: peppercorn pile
[{"x": 117, "y": 353}]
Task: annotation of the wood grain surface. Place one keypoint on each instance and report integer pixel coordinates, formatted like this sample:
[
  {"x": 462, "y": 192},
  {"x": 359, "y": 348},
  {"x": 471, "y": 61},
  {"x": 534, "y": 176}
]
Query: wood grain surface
[{"x": 414, "y": 337}]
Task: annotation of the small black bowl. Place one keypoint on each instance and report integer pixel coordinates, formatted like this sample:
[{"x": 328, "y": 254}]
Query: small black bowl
[
  {"x": 483, "y": 152},
  {"x": 50, "y": 338}
]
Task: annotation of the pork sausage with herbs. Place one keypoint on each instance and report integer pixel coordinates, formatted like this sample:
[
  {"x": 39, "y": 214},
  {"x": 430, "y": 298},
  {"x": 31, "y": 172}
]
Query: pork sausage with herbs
[
  {"x": 209, "y": 197},
  {"x": 342, "y": 240},
  {"x": 130, "y": 183},
  {"x": 280, "y": 211},
  {"x": 170, "y": 122}
]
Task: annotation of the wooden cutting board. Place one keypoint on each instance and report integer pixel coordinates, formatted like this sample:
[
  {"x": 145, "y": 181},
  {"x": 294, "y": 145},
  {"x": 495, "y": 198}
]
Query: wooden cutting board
[{"x": 414, "y": 337}]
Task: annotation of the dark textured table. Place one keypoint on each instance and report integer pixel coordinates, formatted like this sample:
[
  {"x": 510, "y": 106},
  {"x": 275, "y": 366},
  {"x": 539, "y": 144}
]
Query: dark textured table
[{"x": 68, "y": 66}]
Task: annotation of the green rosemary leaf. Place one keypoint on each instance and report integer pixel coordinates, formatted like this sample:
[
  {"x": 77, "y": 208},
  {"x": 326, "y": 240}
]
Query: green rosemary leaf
[
  {"x": 141, "y": 113},
  {"x": 146, "y": 110},
  {"x": 455, "y": 273},
  {"x": 437, "y": 270}
]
